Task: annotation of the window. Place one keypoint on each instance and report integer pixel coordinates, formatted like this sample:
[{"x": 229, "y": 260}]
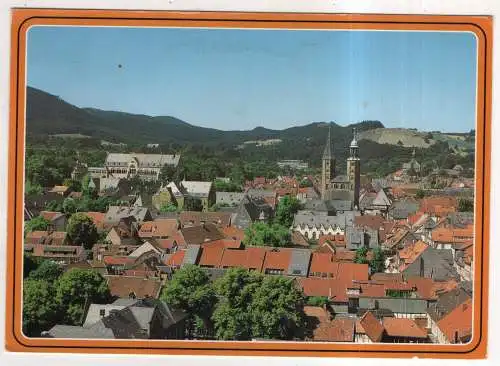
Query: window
[{"x": 102, "y": 312}]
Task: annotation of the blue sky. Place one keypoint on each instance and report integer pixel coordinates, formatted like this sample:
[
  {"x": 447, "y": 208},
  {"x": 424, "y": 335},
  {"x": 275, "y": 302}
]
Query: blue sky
[{"x": 240, "y": 79}]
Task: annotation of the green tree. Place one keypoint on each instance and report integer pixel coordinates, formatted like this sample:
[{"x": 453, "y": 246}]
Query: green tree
[
  {"x": 32, "y": 189},
  {"x": 232, "y": 317},
  {"x": 87, "y": 190},
  {"x": 222, "y": 186},
  {"x": 261, "y": 234},
  {"x": 420, "y": 194},
  {"x": 78, "y": 288},
  {"x": 38, "y": 223},
  {"x": 40, "y": 311},
  {"x": 55, "y": 206},
  {"x": 74, "y": 185},
  {"x": 29, "y": 264},
  {"x": 82, "y": 230},
  {"x": 46, "y": 271},
  {"x": 286, "y": 210},
  {"x": 305, "y": 183},
  {"x": 377, "y": 264},
  {"x": 277, "y": 309},
  {"x": 318, "y": 301},
  {"x": 465, "y": 205},
  {"x": 360, "y": 256},
  {"x": 190, "y": 290},
  {"x": 69, "y": 206},
  {"x": 169, "y": 207}
]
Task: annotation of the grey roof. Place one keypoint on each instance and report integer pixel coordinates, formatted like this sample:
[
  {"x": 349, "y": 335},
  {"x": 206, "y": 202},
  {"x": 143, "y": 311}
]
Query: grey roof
[
  {"x": 319, "y": 205},
  {"x": 128, "y": 322},
  {"x": 116, "y": 213},
  {"x": 339, "y": 194},
  {"x": 357, "y": 237},
  {"x": 94, "y": 312},
  {"x": 191, "y": 255},
  {"x": 255, "y": 192},
  {"x": 403, "y": 209},
  {"x": 230, "y": 198},
  {"x": 124, "y": 302},
  {"x": 447, "y": 303},
  {"x": 314, "y": 220},
  {"x": 381, "y": 199},
  {"x": 144, "y": 160},
  {"x": 461, "y": 219},
  {"x": 74, "y": 331},
  {"x": 299, "y": 263},
  {"x": 250, "y": 210},
  {"x": 437, "y": 264}
]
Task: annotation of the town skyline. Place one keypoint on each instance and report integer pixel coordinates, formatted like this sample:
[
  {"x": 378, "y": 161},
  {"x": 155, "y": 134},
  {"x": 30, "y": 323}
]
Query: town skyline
[{"x": 416, "y": 84}]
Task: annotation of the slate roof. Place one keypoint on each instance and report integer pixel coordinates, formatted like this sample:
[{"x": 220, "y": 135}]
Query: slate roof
[
  {"x": 299, "y": 263},
  {"x": 436, "y": 263},
  {"x": 191, "y": 254},
  {"x": 230, "y": 198},
  {"x": 251, "y": 210},
  {"x": 447, "y": 302},
  {"x": 116, "y": 213},
  {"x": 314, "y": 220},
  {"x": 144, "y": 160},
  {"x": 402, "y": 209},
  {"x": 195, "y": 218}
]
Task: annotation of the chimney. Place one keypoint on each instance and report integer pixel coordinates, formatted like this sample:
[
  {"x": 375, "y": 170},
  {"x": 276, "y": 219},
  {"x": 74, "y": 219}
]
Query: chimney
[
  {"x": 456, "y": 337},
  {"x": 422, "y": 272}
]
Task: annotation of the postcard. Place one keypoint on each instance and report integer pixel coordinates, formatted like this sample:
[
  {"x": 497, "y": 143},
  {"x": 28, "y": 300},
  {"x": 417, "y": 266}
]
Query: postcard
[{"x": 249, "y": 184}]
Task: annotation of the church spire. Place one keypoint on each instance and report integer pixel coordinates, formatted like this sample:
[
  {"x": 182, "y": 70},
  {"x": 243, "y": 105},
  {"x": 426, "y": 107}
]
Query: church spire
[{"x": 327, "y": 153}]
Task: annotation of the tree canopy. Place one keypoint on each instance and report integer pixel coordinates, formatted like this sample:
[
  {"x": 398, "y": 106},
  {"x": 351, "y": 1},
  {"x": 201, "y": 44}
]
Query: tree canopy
[
  {"x": 262, "y": 234},
  {"x": 77, "y": 288},
  {"x": 35, "y": 224},
  {"x": 46, "y": 271},
  {"x": 82, "y": 230},
  {"x": 40, "y": 311},
  {"x": 286, "y": 210}
]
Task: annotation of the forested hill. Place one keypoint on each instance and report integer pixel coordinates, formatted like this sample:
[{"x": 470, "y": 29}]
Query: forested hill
[{"x": 49, "y": 115}]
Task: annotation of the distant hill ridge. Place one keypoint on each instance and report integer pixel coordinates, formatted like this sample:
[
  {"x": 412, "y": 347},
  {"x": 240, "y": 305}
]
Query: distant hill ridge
[{"x": 50, "y": 115}]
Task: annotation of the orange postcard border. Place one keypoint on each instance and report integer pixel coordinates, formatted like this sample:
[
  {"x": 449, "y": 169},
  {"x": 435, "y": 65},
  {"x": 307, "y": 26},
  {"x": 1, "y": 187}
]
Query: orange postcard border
[{"x": 22, "y": 19}]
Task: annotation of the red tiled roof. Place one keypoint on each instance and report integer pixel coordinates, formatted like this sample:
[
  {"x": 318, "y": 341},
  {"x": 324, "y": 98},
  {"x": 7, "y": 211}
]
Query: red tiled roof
[
  {"x": 165, "y": 243},
  {"x": 51, "y": 215},
  {"x": 232, "y": 232},
  {"x": 176, "y": 259},
  {"x": 410, "y": 253},
  {"x": 400, "y": 327},
  {"x": 97, "y": 218},
  {"x": 195, "y": 218},
  {"x": 336, "y": 240},
  {"x": 223, "y": 243},
  {"x": 299, "y": 239},
  {"x": 458, "y": 321},
  {"x": 114, "y": 261},
  {"x": 124, "y": 286},
  {"x": 211, "y": 256},
  {"x": 250, "y": 258},
  {"x": 372, "y": 327},
  {"x": 453, "y": 235},
  {"x": 392, "y": 277},
  {"x": 324, "y": 263},
  {"x": 371, "y": 221},
  {"x": 326, "y": 330},
  {"x": 158, "y": 228},
  {"x": 279, "y": 260}
]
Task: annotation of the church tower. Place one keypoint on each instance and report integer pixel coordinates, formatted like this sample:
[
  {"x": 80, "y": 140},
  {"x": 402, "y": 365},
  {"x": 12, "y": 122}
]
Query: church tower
[
  {"x": 353, "y": 168},
  {"x": 328, "y": 166}
]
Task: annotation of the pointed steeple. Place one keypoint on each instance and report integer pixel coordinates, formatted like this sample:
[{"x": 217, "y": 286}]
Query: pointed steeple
[{"x": 327, "y": 153}]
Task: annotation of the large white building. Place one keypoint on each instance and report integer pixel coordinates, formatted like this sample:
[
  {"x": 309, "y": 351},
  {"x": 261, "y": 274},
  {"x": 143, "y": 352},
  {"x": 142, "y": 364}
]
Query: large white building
[{"x": 145, "y": 166}]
